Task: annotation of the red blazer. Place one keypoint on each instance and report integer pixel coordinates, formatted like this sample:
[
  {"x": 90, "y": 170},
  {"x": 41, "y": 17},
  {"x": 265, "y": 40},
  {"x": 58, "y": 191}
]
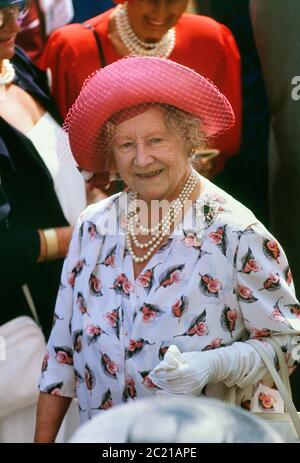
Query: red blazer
[{"x": 201, "y": 43}]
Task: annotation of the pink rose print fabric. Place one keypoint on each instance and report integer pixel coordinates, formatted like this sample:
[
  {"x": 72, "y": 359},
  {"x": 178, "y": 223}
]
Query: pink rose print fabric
[{"x": 203, "y": 289}]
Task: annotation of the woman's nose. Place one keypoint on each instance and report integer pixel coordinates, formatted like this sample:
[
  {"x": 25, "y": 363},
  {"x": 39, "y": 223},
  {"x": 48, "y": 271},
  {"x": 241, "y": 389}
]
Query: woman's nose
[
  {"x": 142, "y": 156},
  {"x": 159, "y": 10}
]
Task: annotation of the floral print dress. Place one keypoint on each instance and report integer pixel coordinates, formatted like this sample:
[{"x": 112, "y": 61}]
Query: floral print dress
[{"x": 221, "y": 277}]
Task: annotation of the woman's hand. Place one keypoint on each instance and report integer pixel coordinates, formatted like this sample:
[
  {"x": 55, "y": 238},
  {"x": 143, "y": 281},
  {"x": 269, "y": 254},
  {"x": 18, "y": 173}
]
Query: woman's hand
[
  {"x": 187, "y": 373},
  {"x": 182, "y": 373}
]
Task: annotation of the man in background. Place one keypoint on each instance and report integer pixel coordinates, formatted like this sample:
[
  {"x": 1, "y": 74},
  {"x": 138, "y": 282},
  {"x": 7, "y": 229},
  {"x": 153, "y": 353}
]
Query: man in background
[{"x": 276, "y": 25}]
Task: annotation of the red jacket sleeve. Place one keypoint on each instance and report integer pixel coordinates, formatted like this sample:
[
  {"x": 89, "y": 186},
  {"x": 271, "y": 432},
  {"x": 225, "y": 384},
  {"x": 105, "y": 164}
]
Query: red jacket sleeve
[{"x": 71, "y": 56}]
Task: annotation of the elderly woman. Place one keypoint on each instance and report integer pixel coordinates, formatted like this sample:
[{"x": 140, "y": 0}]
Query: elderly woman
[
  {"x": 173, "y": 261},
  {"x": 155, "y": 28}
]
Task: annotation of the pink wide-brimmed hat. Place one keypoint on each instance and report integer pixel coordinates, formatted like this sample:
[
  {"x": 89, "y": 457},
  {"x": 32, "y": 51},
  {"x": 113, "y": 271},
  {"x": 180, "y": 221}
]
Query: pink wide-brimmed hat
[{"x": 139, "y": 80}]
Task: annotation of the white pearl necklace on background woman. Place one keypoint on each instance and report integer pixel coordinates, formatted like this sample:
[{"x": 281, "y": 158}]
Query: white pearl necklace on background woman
[
  {"x": 136, "y": 46},
  {"x": 162, "y": 229},
  {"x": 7, "y": 72}
]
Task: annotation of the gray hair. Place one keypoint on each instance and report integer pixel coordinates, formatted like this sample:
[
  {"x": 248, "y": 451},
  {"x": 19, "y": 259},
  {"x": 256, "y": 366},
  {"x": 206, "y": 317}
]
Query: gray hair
[{"x": 187, "y": 126}]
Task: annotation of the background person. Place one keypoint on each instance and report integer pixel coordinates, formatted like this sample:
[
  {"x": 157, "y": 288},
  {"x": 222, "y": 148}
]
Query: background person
[
  {"x": 277, "y": 34},
  {"x": 39, "y": 199},
  {"x": 251, "y": 161}
]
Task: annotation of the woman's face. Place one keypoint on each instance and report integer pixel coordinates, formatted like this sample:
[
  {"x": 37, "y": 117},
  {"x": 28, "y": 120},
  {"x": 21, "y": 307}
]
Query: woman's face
[
  {"x": 151, "y": 19},
  {"x": 8, "y": 33},
  {"x": 151, "y": 159}
]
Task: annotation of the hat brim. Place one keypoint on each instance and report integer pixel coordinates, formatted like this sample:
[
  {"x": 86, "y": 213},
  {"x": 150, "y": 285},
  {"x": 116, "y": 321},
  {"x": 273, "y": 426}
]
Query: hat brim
[{"x": 137, "y": 80}]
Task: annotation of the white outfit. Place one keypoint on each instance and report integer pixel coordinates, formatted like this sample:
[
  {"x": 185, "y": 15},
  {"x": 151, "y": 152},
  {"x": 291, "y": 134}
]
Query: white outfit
[
  {"x": 197, "y": 292},
  {"x": 68, "y": 183},
  {"x": 57, "y": 13}
]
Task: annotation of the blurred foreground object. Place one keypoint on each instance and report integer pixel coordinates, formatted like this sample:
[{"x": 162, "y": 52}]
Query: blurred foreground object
[{"x": 177, "y": 419}]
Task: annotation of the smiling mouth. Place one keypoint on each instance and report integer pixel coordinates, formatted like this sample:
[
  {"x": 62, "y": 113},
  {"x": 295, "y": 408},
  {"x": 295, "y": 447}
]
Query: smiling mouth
[
  {"x": 10, "y": 39},
  {"x": 154, "y": 173},
  {"x": 155, "y": 23}
]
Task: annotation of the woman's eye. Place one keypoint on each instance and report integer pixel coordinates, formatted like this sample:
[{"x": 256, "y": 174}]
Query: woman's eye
[
  {"x": 126, "y": 145},
  {"x": 156, "y": 140}
]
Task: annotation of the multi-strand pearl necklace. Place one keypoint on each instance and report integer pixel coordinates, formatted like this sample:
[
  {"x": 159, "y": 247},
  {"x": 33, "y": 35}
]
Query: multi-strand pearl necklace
[
  {"x": 160, "y": 230},
  {"x": 7, "y": 72},
  {"x": 136, "y": 46}
]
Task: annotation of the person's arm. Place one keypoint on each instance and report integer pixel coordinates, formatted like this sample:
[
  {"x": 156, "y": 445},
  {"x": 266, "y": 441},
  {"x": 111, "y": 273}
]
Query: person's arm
[
  {"x": 59, "y": 61},
  {"x": 267, "y": 302},
  {"x": 57, "y": 379},
  {"x": 54, "y": 243},
  {"x": 21, "y": 248},
  {"x": 71, "y": 56},
  {"x": 264, "y": 288},
  {"x": 50, "y": 413}
]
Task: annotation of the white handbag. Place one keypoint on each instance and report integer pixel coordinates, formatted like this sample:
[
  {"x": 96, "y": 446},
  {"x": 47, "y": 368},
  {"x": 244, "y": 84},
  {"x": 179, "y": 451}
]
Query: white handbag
[
  {"x": 287, "y": 424},
  {"x": 22, "y": 348}
]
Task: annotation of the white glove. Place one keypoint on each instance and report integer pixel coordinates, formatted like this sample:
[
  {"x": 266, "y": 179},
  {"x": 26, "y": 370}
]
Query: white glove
[
  {"x": 188, "y": 372},
  {"x": 181, "y": 373}
]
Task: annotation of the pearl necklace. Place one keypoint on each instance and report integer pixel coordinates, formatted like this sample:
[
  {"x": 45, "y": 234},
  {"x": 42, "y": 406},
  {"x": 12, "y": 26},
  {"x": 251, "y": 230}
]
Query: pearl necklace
[
  {"x": 136, "y": 46},
  {"x": 7, "y": 73},
  {"x": 162, "y": 228}
]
